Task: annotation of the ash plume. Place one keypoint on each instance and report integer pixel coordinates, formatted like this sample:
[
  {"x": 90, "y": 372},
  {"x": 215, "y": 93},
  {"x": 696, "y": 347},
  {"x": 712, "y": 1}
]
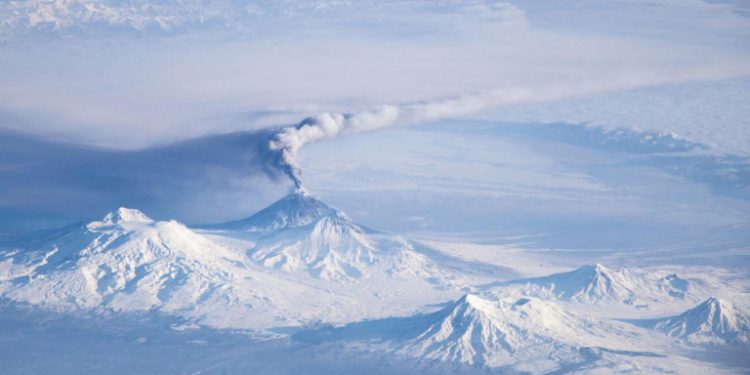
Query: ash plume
[{"x": 286, "y": 144}]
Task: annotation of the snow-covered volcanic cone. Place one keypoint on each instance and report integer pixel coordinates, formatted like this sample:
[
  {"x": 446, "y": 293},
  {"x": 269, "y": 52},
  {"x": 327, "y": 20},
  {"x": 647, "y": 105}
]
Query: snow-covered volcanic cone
[
  {"x": 713, "y": 322},
  {"x": 299, "y": 233}
]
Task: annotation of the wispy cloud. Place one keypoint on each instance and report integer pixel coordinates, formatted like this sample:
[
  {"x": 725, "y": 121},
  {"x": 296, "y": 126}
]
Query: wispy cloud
[{"x": 82, "y": 80}]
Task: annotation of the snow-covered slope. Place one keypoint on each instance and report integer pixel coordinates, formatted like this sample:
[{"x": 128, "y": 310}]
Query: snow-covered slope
[
  {"x": 301, "y": 233},
  {"x": 715, "y": 321},
  {"x": 126, "y": 261},
  {"x": 507, "y": 335},
  {"x": 597, "y": 284},
  {"x": 291, "y": 277},
  {"x": 296, "y": 209},
  {"x": 526, "y": 333},
  {"x": 129, "y": 262},
  {"x": 304, "y": 233}
]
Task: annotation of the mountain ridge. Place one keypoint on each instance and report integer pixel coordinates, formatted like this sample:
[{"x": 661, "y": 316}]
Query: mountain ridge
[
  {"x": 596, "y": 284},
  {"x": 714, "y": 321}
]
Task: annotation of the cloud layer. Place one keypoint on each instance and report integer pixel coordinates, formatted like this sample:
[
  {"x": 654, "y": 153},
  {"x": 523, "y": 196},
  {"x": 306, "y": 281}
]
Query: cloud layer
[
  {"x": 69, "y": 69},
  {"x": 288, "y": 142}
]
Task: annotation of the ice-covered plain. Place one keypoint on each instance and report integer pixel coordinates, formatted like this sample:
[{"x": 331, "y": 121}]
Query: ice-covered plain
[{"x": 374, "y": 187}]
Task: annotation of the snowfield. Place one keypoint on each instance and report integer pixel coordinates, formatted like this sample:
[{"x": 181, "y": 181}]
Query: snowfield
[{"x": 304, "y": 275}]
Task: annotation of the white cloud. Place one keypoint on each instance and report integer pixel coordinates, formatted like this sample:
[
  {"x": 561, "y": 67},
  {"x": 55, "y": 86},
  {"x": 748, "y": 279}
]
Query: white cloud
[
  {"x": 498, "y": 11},
  {"x": 300, "y": 58},
  {"x": 714, "y": 113}
]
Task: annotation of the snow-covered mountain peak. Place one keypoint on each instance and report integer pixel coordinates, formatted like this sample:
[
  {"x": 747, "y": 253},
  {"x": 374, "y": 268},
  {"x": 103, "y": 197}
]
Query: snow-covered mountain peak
[
  {"x": 590, "y": 283},
  {"x": 594, "y": 272},
  {"x": 596, "y": 267},
  {"x": 495, "y": 311},
  {"x": 501, "y": 314},
  {"x": 598, "y": 284},
  {"x": 711, "y": 322},
  {"x": 599, "y": 280},
  {"x": 331, "y": 247},
  {"x": 476, "y": 330},
  {"x": 473, "y": 302},
  {"x": 297, "y": 209},
  {"x": 717, "y": 314},
  {"x": 126, "y": 261},
  {"x": 121, "y": 216},
  {"x": 299, "y": 233},
  {"x": 714, "y": 304}
]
